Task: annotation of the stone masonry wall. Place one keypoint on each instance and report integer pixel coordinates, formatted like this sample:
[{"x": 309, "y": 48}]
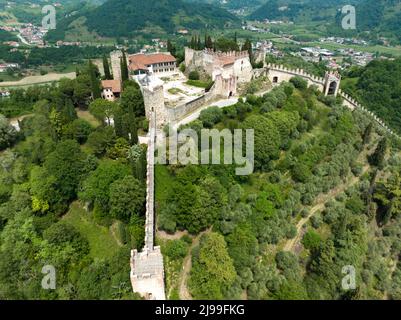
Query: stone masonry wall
[{"x": 285, "y": 74}]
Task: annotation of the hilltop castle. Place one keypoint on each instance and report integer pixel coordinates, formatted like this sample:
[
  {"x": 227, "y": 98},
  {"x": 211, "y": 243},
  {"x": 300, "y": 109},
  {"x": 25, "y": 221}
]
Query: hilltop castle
[{"x": 227, "y": 70}]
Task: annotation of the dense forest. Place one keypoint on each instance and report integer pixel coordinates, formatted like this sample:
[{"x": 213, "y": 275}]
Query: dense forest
[
  {"x": 378, "y": 87},
  {"x": 323, "y": 196},
  {"x": 233, "y": 4},
  {"x": 123, "y": 18},
  {"x": 7, "y": 36},
  {"x": 72, "y": 191},
  {"x": 62, "y": 55},
  {"x": 375, "y": 18}
]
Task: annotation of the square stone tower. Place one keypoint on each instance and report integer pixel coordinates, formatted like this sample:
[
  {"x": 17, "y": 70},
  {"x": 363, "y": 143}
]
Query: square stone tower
[{"x": 115, "y": 57}]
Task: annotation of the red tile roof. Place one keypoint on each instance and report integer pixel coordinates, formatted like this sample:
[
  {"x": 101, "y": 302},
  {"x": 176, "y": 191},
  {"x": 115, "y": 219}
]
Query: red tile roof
[
  {"x": 115, "y": 85},
  {"x": 141, "y": 61},
  {"x": 227, "y": 60}
]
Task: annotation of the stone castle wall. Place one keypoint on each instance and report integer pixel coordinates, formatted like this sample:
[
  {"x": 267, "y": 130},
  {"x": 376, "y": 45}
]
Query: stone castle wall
[
  {"x": 209, "y": 61},
  {"x": 147, "y": 269},
  {"x": 282, "y": 73},
  {"x": 285, "y": 74}
]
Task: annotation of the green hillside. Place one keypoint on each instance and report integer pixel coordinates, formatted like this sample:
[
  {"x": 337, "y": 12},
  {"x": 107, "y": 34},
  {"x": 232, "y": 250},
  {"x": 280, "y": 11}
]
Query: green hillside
[
  {"x": 374, "y": 18},
  {"x": 7, "y": 36},
  {"x": 124, "y": 18},
  {"x": 378, "y": 86}
]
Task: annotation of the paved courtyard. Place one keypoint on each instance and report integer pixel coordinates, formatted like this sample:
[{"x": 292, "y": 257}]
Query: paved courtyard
[{"x": 177, "y": 92}]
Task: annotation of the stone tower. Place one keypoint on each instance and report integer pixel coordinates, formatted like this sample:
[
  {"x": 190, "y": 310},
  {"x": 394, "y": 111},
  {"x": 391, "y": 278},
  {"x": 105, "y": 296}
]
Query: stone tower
[
  {"x": 115, "y": 57},
  {"x": 153, "y": 98},
  {"x": 331, "y": 83}
]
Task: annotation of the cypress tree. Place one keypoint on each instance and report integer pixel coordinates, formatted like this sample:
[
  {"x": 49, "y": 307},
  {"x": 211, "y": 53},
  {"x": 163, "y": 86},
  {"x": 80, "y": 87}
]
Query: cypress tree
[
  {"x": 192, "y": 45},
  {"x": 140, "y": 166},
  {"x": 95, "y": 83},
  {"x": 118, "y": 124},
  {"x": 209, "y": 42},
  {"x": 124, "y": 68},
  {"x": 106, "y": 68},
  {"x": 367, "y": 134},
  {"x": 132, "y": 128},
  {"x": 171, "y": 48},
  {"x": 248, "y": 47},
  {"x": 377, "y": 158},
  {"x": 199, "y": 44}
]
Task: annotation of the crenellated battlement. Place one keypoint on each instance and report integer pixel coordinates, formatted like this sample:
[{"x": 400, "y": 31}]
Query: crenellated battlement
[
  {"x": 324, "y": 85},
  {"x": 295, "y": 72},
  {"x": 219, "y": 54}
]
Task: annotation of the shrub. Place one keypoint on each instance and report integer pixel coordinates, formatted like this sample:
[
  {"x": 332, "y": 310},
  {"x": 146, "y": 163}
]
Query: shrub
[
  {"x": 304, "y": 213},
  {"x": 316, "y": 221},
  {"x": 145, "y": 125},
  {"x": 194, "y": 75},
  {"x": 299, "y": 83},
  {"x": 311, "y": 240},
  {"x": 211, "y": 116},
  {"x": 176, "y": 249}
]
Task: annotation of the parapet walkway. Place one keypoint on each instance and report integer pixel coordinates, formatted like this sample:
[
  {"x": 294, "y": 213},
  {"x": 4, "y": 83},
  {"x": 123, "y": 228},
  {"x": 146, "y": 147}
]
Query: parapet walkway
[{"x": 147, "y": 270}]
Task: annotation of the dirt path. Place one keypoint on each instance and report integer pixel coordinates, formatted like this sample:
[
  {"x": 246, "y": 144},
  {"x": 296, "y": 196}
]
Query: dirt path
[
  {"x": 186, "y": 268},
  {"x": 167, "y": 236},
  {"x": 291, "y": 244},
  {"x": 113, "y": 233}
]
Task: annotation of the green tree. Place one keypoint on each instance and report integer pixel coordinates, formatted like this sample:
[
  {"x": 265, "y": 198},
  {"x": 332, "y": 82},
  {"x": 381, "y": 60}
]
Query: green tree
[
  {"x": 127, "y": 197},
  {"x": 311, "y": 240},
  {"x": 103, "y": 110},
  {"x": 8, "y": 134},
  {"x": 247, "y": 46},
  {"x": 367, "y": 134},
  {"x": 101, "y": 140},
  {"x": 78, "y": 130},
  {"x": 106, "y": 68},
  {"x": 171, "y": 48},
  {"x": 124, "y": 68},
  {"x": 132, "y": 101},
  {"x": 377, "y": 158},
  {"x": 96, "y": 188},
  {"x": 95, "y": 82},
  {"x": 267, "y": 139},
  {"x": 212, "y": 270}
]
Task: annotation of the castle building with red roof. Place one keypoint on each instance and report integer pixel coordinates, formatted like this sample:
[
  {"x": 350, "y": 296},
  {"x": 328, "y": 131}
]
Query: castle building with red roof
[{"x": 155, "y": 63}]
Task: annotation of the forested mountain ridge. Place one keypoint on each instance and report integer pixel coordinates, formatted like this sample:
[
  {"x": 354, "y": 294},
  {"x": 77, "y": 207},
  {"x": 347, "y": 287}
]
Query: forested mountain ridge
[
  {"x": 316, "y": 161},
  {"x": 378, "y": 86},
  {"x": 295, "y": 10},
  {"x": 123, "y": 18},
  {"x": 381, "y": 17},
  {"x": 232, "y": 4}
]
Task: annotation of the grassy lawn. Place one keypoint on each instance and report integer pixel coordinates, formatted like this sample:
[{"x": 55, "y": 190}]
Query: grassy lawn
[
  {"x": 162, "y": 182},
  {"x": 101, "y": 242},
  {"x": 175, "y": 90},
  {"x": 88, "y": 117},
  {"x": 198, "y": 83}
]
